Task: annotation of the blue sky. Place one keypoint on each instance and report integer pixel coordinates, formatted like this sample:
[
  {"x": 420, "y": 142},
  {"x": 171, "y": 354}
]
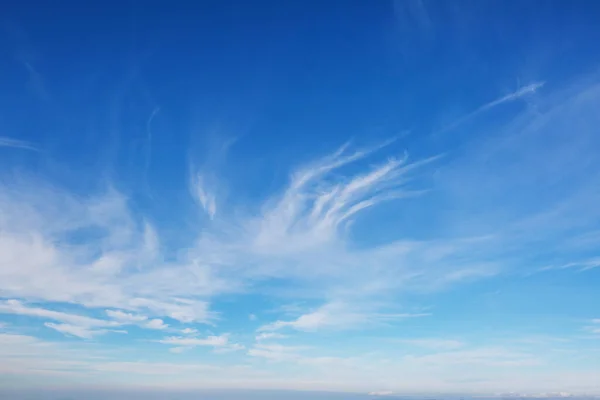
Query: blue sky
[{"x": 390, "y": 197}]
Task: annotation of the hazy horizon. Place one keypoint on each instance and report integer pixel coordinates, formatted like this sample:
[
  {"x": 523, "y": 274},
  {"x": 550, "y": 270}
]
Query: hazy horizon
[{"x": 229, "y": 394}]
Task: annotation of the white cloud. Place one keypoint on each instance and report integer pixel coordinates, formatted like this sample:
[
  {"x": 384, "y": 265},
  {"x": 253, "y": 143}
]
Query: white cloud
[
  {"x": 74, "y": 330},
  {"x": 189, "y": 331},
  {"x": 595, "y": 327},
  {"x": 298, "y": 234},
  {"x": 153, "y": 368},
  {"x": 78, "y": 325},
  {"x": 233, "y": 347},
  {"x": 30, "y": 357},
  {"x": 178, "y": 309},
  {"x": 338, "y": 315},
  {"x": 18, "y": 308},
  {"x": 300, "y": 356},
  {"x": 126, "y": 318},
  {"x": 583, "y": 265},
  {"x": 215, "y": 341},
  {"x": 276, "y": 352},
  {"x": 156, "y": 324},
  {"x": 71, "y": 324},
  {"x": 220, "y": 344},
  {"x": 178, "y": 350},
  {"x": 309, "y": 213},
  {"x": 10, "y": 342},
  {"x": 525, "y": 90},
  {"x": 38, "y": 260},
  {"x": 432, "y": 343},
  {"x": 269, "y": 336},
  {"x": 205, "y": 198}
]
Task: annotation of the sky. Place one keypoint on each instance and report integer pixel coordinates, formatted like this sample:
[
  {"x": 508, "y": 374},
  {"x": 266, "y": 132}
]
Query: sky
[{"x": 385, "y": 197}]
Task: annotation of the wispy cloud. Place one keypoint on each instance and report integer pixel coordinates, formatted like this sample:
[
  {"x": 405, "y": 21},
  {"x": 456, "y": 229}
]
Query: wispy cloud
[
  {"x": 136, "y": 319},
  {"x": 298, "y": 234},
  {"x": 127, "y": 318},
  {"x": 230, "y": 348},
  {"x": 432, "y": 343},
  {"x": 79, "y": 325},
  {"x": 110, "y": 269},
  {"x": 220, "y": 343},
  {"x": 595, "y": 326},
  {"x": 583, "y": 265},
  {"x": 156, "y": 323},
  {"x": 269, "y": 336},
  {"x": 71, "y": 324},
  {"x": 485, "y": 356},
  {"x": 338, "y": 316},
  {"x": 148, "y": 145},
  {"x": 192, "y": 342},
  {"x": 27, "y": 356},
  {"x": 16, "y": 144},
  {"x": 18, "y": 308},
  {"x": 313, "y": 206},
  {"x": 497, "y": 208},
  {"x": 205, "y": 198},
  {"x": 524, "y": 91},
  {"x": 276, "y": 352},
  {"x": 74, "y": 330}
]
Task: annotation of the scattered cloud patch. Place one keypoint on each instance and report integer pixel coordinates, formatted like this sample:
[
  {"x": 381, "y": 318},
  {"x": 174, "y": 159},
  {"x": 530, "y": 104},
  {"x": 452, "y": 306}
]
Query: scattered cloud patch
[
  {"x": 220, "y": 343},
  {"x": 435, "y": 344},
  {"x": 276, "y": 352},
  {"x": 215, "y": 341},
  {"x": 156, "y": 324},
  {"x": 230, "y": 348},
  {"x": 269, "y": 336},
  {"x": 595, "y": 326},
  {"x": 178, "y": 350},
  {"x": 125, "y": 318}
]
